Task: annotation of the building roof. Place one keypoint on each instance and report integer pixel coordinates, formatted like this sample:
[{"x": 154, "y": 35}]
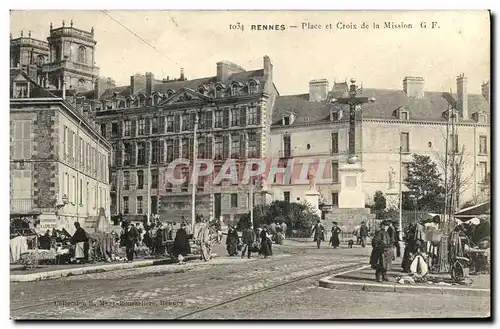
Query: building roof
[
  {"x": 174, "y": 85},
  {"x": 428, "y": 108}
]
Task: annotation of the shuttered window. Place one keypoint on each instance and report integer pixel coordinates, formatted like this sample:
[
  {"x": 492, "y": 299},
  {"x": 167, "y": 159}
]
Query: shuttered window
[{"x": 22, "y": 140}]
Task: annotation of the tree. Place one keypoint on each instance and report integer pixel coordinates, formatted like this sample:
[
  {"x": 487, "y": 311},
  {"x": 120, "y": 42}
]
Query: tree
[
  {"x": 379, "y": 203},
  {"x": 424, "y": 184},
  {"x": 297, "y": 216},
  {"x": 457, "y": 181}
]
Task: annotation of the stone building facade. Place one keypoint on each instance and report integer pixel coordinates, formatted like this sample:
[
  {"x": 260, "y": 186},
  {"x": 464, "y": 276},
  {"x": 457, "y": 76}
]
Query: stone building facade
[
  {"x": 150, "y": 123},
  {"x": 310, "y": 126},
  {"x": 58, "y": 160}
]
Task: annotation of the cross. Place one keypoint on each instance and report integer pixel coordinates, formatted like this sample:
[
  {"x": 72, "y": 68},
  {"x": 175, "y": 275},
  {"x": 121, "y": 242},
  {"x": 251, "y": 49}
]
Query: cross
[{"x": 353, "y": 102}]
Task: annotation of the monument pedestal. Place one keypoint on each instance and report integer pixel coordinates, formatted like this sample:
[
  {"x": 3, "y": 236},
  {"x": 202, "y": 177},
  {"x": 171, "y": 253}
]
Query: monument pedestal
[
  {"x": 351, "y": 186},
  {"x": 312, "y": 197},
  {"x": 392, "y": 199}
]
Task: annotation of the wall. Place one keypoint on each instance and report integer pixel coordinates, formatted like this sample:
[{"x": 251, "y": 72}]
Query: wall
[{"x": 98, "y": 185}]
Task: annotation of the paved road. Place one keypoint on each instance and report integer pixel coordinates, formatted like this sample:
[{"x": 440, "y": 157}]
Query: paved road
[{"x": 283, "y": 286}]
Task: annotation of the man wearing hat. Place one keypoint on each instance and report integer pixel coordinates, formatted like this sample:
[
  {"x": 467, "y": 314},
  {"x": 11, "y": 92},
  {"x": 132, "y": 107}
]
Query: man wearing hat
[
  {"x": 382, "y": 253},
  {"x": 318, "y": 232},
  {"x": 363, "y": 233}
]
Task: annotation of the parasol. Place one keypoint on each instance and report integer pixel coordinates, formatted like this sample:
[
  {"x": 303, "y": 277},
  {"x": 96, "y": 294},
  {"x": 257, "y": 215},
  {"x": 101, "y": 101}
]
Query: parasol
[{"x": 474, "y": 221}]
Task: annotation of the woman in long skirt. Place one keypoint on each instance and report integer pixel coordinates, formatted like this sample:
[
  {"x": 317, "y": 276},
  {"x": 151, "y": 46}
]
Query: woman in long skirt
[
  {"x": 232, "y": 241},
  {"x": 335, "y": 241},
  {"x": 265, "y": 244},
  {"x": 181, "y": 244}
]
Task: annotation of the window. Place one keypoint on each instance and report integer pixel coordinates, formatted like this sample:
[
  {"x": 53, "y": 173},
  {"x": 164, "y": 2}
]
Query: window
[
  {"x": 335, "y": 199},
  {"x": 22, "y": 140},
  {"x": 186, "y": 148},
  {"x": 177, "y": 148},
  {"x": 405, "y": 142},
  {"x": 483, "y": 145},
  {"x": 235, "y": 146},
  {"x": 126, "y": 180},
  {"x": 177, "y": 123},
  {"x": 127, "y": 154},
  {"x": 141, "y": 153},
  {"x": 170, "y": 150},
  {"x": 234, "y": 200},
  {"x": 114, "y": 129},
  {"x": 286, "y": 196},
  {"x": 141, "y": 127},
  {"x": 201, "y": 148},
  {"x": 252, "y": 116},
  {"x": 454, "y": 143},
  {"x": 103, "y": 130},
  {"x": 287, "y": 146},
  {"x": 235, "y": 117},
  {"x": 154, "y": 178},
  {"x": 483, "y": 172},
  {"x": 235, "y": 90},
  {"x": 65, "y": 140},
  {"x": 82, "y": 147},
  {"x": 21, "y": 90},
  {"x": 218, "y": 147},
  {"x": 140, "y": 179},
  {"x": 403, "y": 115},
  {"x": 209, "y": 147},
  {"x": 80, "y": 197},
  {"x": 219, "y": 119},
  {"x": 154, "y": 204},
  {"x": 335, "y": 172},
  {"x": 405, "y": 171},
  {"x": 74, "y": 190},
  {"x": 154, "y": 125},
  {"x": 155, "y": 150},
  {"x": 335, "y": 115},
  {"x": 170, "y": 123},
  {"x": 139, "y": 205},
  {"x": 253, "y": 151},
  {"x": 185, "y": 122},
  {"x": 125, "y": 205},
  {"x": 218, "y": 92},
  {"x": 252, "y": 87},
  {"x": 82, "y": 55},
  {"x": 208, "y": 120},
  {"x": 21, "y": 185},
  {"x": 335, "y": 143},
  {"x": 70, "y": 143},
  {"x": 127, "y": 128}
]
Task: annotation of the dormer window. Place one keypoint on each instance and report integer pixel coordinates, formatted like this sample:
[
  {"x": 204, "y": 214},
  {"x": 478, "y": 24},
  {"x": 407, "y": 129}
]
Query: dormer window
[
  {"x": 288, "y": 119},
  {"x": 481, "y": 118},
  {"x": 218, "y": 92},
  {"x": 252, "y": 87},
  {"x": 170, "y": 93},
  {"x": 235, "y": 90},
  {"x": 21, "y": 90},
  {"x": 335, "y": 115},
  {"x": 202, "y": 90},
  {"x": 404, "y": 115},
  {"x": 121, "y": 104}
]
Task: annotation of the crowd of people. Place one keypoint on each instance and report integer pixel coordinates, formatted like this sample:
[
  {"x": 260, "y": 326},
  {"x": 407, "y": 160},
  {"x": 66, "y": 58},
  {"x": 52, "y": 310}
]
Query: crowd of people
[{"x": 255, "y": 240}]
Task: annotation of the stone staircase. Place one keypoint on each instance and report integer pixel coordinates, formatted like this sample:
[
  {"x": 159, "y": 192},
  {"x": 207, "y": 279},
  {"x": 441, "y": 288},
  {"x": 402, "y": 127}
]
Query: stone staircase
[{"x": 347, "y": 220}]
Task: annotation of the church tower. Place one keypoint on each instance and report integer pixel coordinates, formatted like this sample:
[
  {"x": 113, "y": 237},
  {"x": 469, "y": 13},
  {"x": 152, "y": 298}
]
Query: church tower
[
  {"x": 71, "y": 58},
  {"x": 29, "y": 54}
]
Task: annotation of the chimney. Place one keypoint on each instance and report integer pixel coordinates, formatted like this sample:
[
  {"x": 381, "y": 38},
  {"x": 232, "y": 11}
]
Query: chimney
[
  {"x": 318, "y": 90},
  {"x": 100, "y": 87},
  {"x": 225, "y": 69},
  {"x": 414, "y": 87},
  {"x": 485, "y": 90},
  {"x": 268, "y": 67},
  {"x": 462, "y": 99},
  {"x": 182, "y": 75},
  {"x": 137, "y": 83},
  {"x": 149, "y": 82}
]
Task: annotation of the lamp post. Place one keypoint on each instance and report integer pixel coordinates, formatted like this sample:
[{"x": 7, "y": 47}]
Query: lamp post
[
  {"x": 193, "y": 180},
  {"x": 353, "y": 103}
]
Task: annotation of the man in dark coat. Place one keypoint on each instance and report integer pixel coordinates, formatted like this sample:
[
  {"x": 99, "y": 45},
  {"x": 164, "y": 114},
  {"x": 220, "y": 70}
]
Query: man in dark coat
[
  {"x": 80, "y": 241},
  {"x": 318, "y": 232},
  {"x": 232, "y": 241},
  {"x": 248, "y": 239},
  {"x": 382, "y": 253},
  {"x": 131, "y": 237},
  {"x": 363, "y": 233}
]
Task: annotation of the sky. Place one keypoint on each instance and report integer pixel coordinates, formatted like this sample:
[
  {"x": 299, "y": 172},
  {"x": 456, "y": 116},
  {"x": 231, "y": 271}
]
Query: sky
[{"x": 196, "y": 40}]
